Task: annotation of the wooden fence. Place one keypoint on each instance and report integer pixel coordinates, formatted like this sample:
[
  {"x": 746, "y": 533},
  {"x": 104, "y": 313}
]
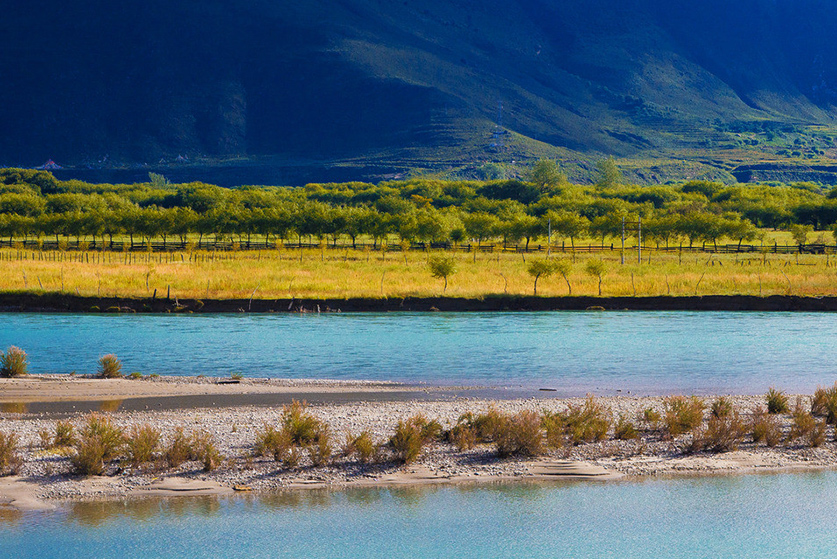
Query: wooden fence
[{"x": 231, "y": 246}]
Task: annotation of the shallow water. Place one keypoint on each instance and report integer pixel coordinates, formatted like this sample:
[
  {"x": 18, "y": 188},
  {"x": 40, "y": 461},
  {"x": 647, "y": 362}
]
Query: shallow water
[
  {"x": 774, "y": 516},
  {"x": 573, "y": 352}
]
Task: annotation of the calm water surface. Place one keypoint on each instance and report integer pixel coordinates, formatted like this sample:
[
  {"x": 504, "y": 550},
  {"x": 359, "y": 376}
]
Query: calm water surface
[
  {"x": 776, "y": 516},
  {"x": 574, "y": 352}
]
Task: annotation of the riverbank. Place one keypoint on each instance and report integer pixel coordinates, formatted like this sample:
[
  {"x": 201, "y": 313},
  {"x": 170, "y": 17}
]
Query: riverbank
[
  {"x": 46, "y": 475},
  {"x": 63, "y": 302}
]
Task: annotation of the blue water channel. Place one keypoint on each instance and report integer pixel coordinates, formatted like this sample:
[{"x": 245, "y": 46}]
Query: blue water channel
[
  {"x": 572, "y": 352},
  {"x": 776, "y": 516}
]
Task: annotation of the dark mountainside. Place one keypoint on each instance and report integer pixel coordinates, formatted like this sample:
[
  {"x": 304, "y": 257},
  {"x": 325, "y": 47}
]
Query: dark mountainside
[{"x": 418, "y": 83}]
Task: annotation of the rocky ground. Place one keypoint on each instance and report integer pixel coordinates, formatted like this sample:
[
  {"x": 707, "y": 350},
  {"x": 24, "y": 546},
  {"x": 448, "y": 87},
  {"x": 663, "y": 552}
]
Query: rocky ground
[{"x": 46, "y": 474}]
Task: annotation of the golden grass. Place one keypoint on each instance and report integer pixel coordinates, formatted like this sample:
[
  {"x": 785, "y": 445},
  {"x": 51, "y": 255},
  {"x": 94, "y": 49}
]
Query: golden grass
[{"x": 340, "y": 273}]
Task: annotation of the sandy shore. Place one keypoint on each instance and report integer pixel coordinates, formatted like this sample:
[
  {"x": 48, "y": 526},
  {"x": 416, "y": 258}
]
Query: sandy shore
[{"x": 46, "y": 474}]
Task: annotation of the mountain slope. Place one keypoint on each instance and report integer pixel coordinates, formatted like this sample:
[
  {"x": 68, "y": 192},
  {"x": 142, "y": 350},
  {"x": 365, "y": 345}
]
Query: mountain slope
[{"x": 411, "y": 81}]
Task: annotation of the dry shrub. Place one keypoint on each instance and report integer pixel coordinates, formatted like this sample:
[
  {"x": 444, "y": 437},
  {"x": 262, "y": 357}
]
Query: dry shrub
[
  {"x": 824, "y": 403},
  {"x": 463, "y": 437},
  {"x": 10, "y": 460},
  {"x": 682, "y": 415},
  {"x": 410, "y": 437},
  {"x": 293, "y": 458},
  {"x": 722, "y": 434},
  {"x": 817, "y": 437},
  {"x": 99, "y": 442},
  {"x": 484, "y": 425},
  {"x": 520, "y": 435},
  {"x": 179, "y": 449},
  {"x": 320, "y": 449},
  {"x": 805, "y": 426},
  {"x": 765, "y": 427},
  {"x": 652, "y": 418},
  {"x": 554, "y": 426},
  {"x": 273, "y": 442},
  {"x": 588, "y": 422},
  {"x": 205, "y": 451},
  {"x": 300, "y": 425},
  {"x": 46, "y": 438},
  {"x": 110, "y": 366},
  {"x": 64, "y": 434},
  {"x": 625, "y": 430},
  {"x": 777, "y": 401},
  {"x": 142, "y": 442},
  {"x": 361, "y": 446},
  {"x": 13, "y": 363},
  {"x": 721, "y": 407}
]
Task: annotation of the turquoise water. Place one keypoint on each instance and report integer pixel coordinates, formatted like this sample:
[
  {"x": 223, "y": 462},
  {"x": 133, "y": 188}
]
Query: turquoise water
[
  {"x": 776, "y": 516},
  {"x": 573, "y": 352}
]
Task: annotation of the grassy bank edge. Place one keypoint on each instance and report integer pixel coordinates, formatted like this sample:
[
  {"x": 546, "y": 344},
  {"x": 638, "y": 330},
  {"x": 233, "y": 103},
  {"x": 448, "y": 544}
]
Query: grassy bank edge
[{"x": 59, "y": 302}]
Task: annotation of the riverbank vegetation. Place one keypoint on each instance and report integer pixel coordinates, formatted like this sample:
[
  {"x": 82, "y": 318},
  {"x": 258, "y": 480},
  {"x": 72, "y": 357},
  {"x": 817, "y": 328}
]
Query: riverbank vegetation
[{"x": 392, "y": 239}]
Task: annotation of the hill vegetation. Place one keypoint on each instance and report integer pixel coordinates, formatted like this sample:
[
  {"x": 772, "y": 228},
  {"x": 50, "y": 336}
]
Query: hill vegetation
[{"x": 33, "y": 204}]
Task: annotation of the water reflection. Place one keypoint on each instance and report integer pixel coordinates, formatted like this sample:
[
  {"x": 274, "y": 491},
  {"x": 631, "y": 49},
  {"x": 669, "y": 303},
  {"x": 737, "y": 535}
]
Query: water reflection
[
  {"x": 97, "y": 513},
  {"x": 9, "y": 515},
  {"x": 14, "y": 407},
  {"x": 110, "y": 405}
]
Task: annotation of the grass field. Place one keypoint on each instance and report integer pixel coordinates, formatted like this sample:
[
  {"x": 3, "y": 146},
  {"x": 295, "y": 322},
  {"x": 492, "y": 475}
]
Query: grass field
[{"x": 346, "y": 273}]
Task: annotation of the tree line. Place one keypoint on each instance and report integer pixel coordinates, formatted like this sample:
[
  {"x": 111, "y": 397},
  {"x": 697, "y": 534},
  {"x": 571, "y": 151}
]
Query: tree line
[{"x": 35, "y": 204}]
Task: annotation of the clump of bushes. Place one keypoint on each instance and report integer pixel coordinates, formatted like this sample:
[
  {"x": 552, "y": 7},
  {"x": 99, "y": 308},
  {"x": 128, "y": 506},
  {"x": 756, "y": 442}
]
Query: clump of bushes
[
  {"x": 721, "y": 407},
  {"x": 110, "y": 366},
  {"x": 682, "y": 415},
  {"x": 361, "y": 446},
  {"x": 204, "y": 450},
  {"x": 300, "y": 425},
  {"x": 765, "y": 427},
  {"x": 320, "y": 449},
  {"x": 587, "y": 422},
  {"x": 519, "y": 435},
  {"x": 652, "y": 418},
  {"x": 10, "y": 460},
  {"x": 777, "y": 401},
  {"x": 625, "y": 430},
  {"x": 141, "y": 443},
  {"x": 13, "y": 363},
  {"x": 273, "y": 442},
  {"x": 411, "y": 436},
  {"x": 824, "y": 403},
  {"x": 179, "y": 449},
  {"x": 483, "y": 426},
  {"x": 804, "y": 426},
  {"x": 554, "y": 426},
  {"x": 723, "y": 433},
  {"x": 298, "y": 430},
  {"x": 99, "y": 442},
  {"x": 462, "y": 436},
  {"x": 64, "y": 436}
]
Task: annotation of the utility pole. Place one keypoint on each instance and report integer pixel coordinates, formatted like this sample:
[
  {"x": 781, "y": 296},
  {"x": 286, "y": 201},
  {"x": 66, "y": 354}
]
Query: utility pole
[
  {"x": 623, "y": 240},
  {"x": 639, "y": 241}
]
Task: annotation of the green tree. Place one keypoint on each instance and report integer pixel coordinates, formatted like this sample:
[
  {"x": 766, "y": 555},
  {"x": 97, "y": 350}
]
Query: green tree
[
  {"x": 608, "y": 174},
  {"x": 442, "y": 267},
  {"x": 597, "y": 269},
  {"x": 546, "y": 175},
  {"x": 540, "y": 269},
  {"x": 800, "y": 233}
]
